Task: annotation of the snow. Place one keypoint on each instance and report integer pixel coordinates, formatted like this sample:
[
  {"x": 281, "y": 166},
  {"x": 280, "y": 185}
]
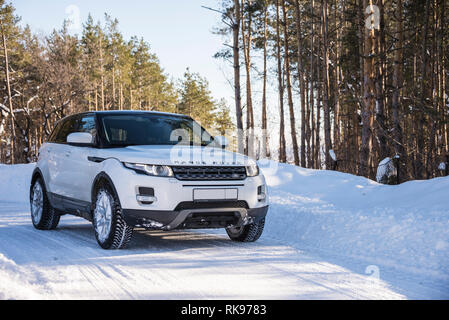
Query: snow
[
  {"x": 401, "y": 226},
  {"x": 332, "y": 154},
  {"x": 442, "y": 166},
  {"x": 328, "y": 235},
  {"x": 385, "y": 170},
  {"x": 15, "y": 182}
]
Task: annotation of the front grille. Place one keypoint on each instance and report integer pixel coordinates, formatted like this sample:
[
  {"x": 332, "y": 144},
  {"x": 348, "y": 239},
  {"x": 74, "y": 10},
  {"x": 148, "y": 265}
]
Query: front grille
[
  {"x": 186, "y": 205},
  {"x": 209, "y": 173}
]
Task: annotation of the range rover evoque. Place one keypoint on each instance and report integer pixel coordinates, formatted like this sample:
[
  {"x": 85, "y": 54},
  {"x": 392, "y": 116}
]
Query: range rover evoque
[{"x": 153, "y": 170}]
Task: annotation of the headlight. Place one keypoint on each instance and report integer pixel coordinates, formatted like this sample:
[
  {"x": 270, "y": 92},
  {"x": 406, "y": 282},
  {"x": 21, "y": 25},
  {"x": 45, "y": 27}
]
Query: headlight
[
  {"x": 149, "y": 169},
  {"x": 252, "y": 170}
]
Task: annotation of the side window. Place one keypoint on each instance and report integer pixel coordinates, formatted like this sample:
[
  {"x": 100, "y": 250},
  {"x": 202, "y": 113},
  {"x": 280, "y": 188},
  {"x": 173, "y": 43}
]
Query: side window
[
  {"x": 73, "y": 124},
  {"x": 67, "y": 127},
  {"x": 86, "y": 124},
  {"x": 54, "y": 133}
]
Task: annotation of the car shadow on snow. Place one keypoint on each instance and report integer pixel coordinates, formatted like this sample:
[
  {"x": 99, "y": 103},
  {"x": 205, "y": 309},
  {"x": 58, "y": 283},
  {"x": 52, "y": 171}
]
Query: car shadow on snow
[{"x": 79, "y": 237}]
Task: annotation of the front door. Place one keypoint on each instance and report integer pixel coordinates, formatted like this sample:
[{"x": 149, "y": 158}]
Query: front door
[{"x": 78, "y": 172}]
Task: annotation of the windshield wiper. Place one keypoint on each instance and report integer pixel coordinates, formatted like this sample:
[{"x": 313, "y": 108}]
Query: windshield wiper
[
  {"x": 124, "y": 145},
  {"x": 191, "y": 143}
]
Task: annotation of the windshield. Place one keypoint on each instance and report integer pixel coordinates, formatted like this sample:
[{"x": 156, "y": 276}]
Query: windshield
[{"x": 121, "y": 130}]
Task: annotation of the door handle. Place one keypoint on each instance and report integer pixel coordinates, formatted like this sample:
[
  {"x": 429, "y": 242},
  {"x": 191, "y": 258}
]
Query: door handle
[{"x": 95, "y": 159}]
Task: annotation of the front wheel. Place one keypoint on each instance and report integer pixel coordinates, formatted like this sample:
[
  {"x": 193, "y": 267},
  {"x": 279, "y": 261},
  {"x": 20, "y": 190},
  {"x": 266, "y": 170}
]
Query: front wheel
[
  {"x": 249, "y": 233},
  {"x": 111, "y": 230},
  {"x": 43, "y": 215}
]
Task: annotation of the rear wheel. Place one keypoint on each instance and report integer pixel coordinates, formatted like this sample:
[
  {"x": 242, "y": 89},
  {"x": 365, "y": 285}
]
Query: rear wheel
[
  {"x": 248, "y": 233},
  {"x": 111, "y": 230},
  {"x": 43, "y": 215}
]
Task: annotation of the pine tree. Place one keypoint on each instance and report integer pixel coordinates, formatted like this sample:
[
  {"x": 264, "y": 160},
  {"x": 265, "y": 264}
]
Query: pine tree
[
  {"x": 196, "y": 100},
  {"x": 223, "y": 122}
]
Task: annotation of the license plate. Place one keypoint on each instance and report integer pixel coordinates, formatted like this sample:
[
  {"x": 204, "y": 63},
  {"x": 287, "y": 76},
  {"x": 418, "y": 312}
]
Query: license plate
[{"x": 215, "y": 194}]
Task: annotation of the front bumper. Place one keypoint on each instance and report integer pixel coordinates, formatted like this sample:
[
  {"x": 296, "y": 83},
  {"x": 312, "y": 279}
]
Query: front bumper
[
  {"x": 169, "y": 192},
  {"x": 194, "y": 218}
]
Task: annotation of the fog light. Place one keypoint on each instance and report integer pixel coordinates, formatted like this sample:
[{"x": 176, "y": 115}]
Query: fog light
[
  {"x": 146, "y": 199},
  {"x": 145, "y": 195}
]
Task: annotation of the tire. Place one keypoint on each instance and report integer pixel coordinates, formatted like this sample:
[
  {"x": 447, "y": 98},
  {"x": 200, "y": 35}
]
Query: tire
[
  {"x": 249, "y": 233},
  {"x": 111, "y": 230},
  {"x": 43, "y": 215}
]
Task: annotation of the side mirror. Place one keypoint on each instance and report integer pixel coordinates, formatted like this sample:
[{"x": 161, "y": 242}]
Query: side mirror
[
  {"x": 80, "y": 138},
  {"x": 222, "y": 141}
]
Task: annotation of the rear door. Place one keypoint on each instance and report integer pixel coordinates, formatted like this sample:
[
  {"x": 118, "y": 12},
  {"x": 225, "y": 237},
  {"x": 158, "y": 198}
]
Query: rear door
[
  {"x": 59, "y": 151},
  {"x": 47, "y": 154}
]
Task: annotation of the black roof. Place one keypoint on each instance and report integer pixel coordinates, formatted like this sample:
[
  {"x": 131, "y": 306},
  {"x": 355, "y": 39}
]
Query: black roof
[{"x": 127, "y": 112}]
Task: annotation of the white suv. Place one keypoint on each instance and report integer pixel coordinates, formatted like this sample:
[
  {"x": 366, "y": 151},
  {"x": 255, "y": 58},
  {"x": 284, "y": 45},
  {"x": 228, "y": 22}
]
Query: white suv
[{"x": 126, "y": 169}]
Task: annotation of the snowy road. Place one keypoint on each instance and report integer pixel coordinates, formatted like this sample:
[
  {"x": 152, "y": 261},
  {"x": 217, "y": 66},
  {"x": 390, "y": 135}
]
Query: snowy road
[
  {"x": 67, "y": 263},
  {"x": 314, "y": 247}
]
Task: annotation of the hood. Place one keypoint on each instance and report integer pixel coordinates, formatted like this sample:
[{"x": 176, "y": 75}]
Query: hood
[{"x": 177, "y": 155}]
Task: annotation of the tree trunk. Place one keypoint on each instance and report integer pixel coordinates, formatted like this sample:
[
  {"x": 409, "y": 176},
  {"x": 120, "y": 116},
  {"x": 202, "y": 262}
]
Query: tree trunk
[
  {"x": 238, "y": 99},
  {"x": 289, "y": 88},
  {"x": 380, "y": 93},
  {"x": 397, "y": 84},
  {"x": 443, "y": 83},
  {"x": 114, "y": 106},
  {"x": 121, "y": 97},
  {"x": 326, "y": 109},
  {"x": 301, "y": 84},
  {"x": 339, "y": 30},
  {"x": 420, "y": 166},
  {"x": 312, "y": 163},
  {"x": 282, "y": 146},
  {"x": 8, "y": 87},
  {"x": 318, "y": 102},
  {"x": 368, "y": 91},
  {"x": 246, "y": 40},
  {"x": 102, "y": 75},
  {"x": 265, "y": 142},
  {"x": 96, "y": 97}
]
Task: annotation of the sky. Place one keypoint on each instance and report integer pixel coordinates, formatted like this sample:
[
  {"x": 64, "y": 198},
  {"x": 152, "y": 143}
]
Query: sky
[{"x": 178, "y": 31}]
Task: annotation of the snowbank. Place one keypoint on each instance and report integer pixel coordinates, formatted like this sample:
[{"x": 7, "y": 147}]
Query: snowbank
[
  {"x": 15, "y": 182},
  {"x": 403, "y": 226}
]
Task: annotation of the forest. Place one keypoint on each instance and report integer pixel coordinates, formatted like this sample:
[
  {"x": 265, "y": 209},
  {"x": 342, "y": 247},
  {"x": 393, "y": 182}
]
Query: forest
[
  {"x": 45, "y": 78},
  {"x": 357, "y": 82}
]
